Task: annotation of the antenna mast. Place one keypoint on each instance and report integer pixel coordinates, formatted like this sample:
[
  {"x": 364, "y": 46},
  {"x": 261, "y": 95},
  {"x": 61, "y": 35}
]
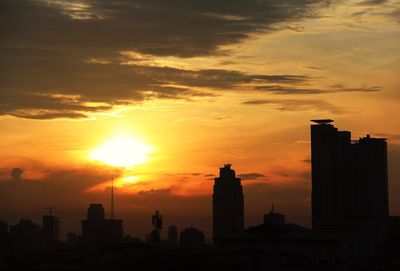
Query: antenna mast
[{"x": 112, "y": 199}]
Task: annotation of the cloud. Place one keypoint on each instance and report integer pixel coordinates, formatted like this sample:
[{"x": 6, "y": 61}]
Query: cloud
[
  {"x": 154, "y": 192},
  {"x": 71, "y": 88},
  {"x": 251, "y": 176},
  {"x": 45, "y": 105},
  {"x": 285, "y": 89},
  {"x": 71, "y": 59},
  {"x": 378, "y": 8},
  {"x": 297, "y": 105},
  {"x": 371, "y": 2},
  {"x": 182, "y": 28},
  {"x": 61, "y": 187},
  {"x": 65, "y": 59},
  {"x": 395, "y": 14},
  {"x": 392, "y": 138}
]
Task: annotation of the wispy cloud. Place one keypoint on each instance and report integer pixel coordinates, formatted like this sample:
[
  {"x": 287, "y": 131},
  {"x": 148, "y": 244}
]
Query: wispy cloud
[
  {"x": 252, "y": 176},
  {"x": 297, "y": 105}
]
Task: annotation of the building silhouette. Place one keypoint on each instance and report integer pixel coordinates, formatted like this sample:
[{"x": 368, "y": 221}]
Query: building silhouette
[
  {"x": 95, "y": 212},
  {"x": 72, "y": 238},
  {"x": 173, "y": 235},
  {"x": 51, "y": 228},
  {"x": 349, "y": 185},
  {"x": 274, "y": 217},
  {"x": 3, "y": 228},
  {"x": 26, "y": 235},
  {"x": 96, "y": 230},
  {"x": 281, "y": 242},
  {"x": 191, "y": 238},
  {"x": 228, "y": 205},
  {"x": 4, "y": 235}
]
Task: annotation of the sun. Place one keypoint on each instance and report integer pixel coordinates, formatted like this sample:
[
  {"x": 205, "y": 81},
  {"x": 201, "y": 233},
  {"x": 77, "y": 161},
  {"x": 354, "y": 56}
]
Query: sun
[{"x": 121, "y": 152}]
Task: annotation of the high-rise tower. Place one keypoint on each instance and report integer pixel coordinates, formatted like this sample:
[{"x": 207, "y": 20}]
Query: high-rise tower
[
  {"x": 96, "y": 230},
  {"x": 228, "y": 206},
  {"x": 349, "y": 183}
]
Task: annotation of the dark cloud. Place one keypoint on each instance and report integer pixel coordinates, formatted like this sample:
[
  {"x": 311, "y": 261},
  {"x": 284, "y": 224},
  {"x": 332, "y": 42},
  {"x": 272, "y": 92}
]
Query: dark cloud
[
  {"x": 45, "y": 105},
  {"x": 371, "y": 2},
  {"x": 57, "y": 57},
  {"x": 314, "y": 68},
  {"x": 395, "y": 14},
  {"x": 64, "y": 60},
  {"x": 276, "y": 89},
  {"x": 154, "y": 192},
  {"x": 285, "y": 89},
  {"x": 182, "y": 28},
  {"x": 72, "y": 88},
  {"x": 251, "y": 176},
  {"x": 297, "y": 105}
]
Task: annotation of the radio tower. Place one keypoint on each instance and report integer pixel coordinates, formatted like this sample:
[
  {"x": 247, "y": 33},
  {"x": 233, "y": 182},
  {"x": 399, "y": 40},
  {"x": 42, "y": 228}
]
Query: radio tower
[
  {"x": 157, "y": 223},
  {"x": 112, "y": 199}
]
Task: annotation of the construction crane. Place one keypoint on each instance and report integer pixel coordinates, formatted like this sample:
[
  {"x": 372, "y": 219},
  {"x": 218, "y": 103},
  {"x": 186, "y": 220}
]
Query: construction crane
[{"x": 51, "y": 210}]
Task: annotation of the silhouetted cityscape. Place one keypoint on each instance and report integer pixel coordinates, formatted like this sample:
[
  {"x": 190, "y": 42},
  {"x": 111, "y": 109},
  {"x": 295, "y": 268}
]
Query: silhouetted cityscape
[{"x": 351, "y": 225}]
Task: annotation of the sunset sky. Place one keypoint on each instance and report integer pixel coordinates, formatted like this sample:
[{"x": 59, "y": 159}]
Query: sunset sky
[{"x": 158, "y": 94}]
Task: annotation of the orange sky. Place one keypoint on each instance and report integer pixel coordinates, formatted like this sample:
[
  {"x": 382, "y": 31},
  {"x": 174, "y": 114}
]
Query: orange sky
[{"x": 198, "y": 85}]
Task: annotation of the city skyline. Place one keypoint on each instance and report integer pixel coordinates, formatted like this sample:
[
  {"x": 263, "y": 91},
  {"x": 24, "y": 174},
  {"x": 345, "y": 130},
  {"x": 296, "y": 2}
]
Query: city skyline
[
  {"x": 351, "y": 223},
  {"x": 338, "y": 161},
  {"x": 157, "y": 95}
]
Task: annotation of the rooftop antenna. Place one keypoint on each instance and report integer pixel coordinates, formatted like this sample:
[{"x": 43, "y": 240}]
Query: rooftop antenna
[
  {"x": 273, "y": 208},
  {"x": 112, "y": 199},
  {"x": 51, "y": 210}
]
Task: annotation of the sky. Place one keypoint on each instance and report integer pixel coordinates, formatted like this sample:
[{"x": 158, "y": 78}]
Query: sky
[{"x": 159, "y": 94}]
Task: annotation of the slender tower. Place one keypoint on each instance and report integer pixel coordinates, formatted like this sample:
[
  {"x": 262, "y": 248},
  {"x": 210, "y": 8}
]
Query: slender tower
[
  {"x": 112, "y": 199},
  {"x": 228, "y": 205}
]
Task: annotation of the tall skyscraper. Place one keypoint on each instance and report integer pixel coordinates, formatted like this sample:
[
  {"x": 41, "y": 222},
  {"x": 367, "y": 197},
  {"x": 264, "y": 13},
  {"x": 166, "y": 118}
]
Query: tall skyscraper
[
  {"x": 228, "y": 205},
  {"x": 349, "y": 183}
]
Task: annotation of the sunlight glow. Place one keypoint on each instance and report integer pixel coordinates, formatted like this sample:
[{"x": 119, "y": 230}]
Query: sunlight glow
[
  {"x": 129, "y": 180},
  {"x": 122, "y": 152}
]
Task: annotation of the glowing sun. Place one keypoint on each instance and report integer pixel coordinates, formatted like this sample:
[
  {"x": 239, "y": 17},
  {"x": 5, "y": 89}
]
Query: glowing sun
[{"x": 121, "y": 152}]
